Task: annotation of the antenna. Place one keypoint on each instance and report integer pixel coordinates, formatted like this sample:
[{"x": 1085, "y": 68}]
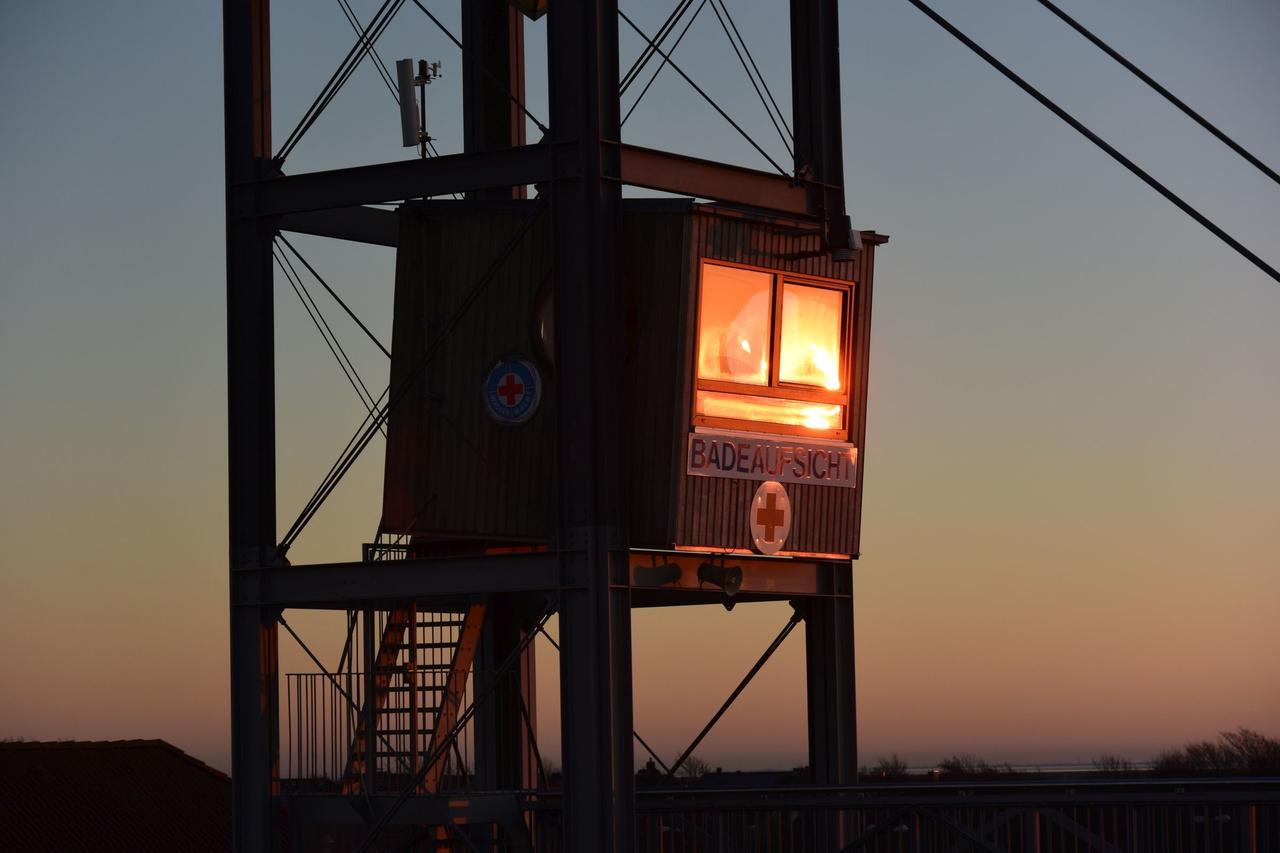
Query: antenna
[
  {"x": 413, "y": 99},
  {"x": 410, "y": 129}
]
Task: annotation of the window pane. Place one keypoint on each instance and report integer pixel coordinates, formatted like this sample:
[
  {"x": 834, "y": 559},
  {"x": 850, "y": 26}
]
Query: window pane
[
  {"x": 743, "y": 407},
  {"x": 733, "y": 338},
  {"x": 811, "y": 321}
]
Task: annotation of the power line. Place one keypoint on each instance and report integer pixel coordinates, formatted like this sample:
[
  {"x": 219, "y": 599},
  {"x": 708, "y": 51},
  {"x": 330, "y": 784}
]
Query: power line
[
  {"x": 661, "y": 66},
  {"x": 368, "y": 36},
  {"x": 645, "y": 55},
  {"x": 725, "y": 7},
  {"x": 326, "y": 332},
  {"x": 750, "y": 76},
  {"x": 331, "y": 340},
  {"x": 370, "y": 50},
  {"x": 336, "y": 298},
  {"x": 501, "y": 85},
  {"x": 555, "y": 645},
  {"x": 376, "y": 418},
  {"x": 623, "y": 15},
  {"x": 1168, "y": 96},
  {"x": 1096, "y": 140}
]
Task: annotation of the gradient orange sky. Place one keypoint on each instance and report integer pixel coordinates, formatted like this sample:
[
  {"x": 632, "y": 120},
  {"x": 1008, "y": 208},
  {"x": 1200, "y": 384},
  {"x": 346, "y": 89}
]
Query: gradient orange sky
[{"x": 1072, "y": 470}]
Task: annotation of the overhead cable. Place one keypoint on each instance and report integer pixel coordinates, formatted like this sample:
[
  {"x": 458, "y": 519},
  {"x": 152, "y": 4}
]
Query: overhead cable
[
  {"x": 750, "y": 76},
  {"x": 737, "y": 691},
  {"x": 725, "y": 8},
  {"x": 373, "y": 422},
  {"x": 645, "y": 55},
  {"x": 368, "y": 36},
  {"x": 1168, "y": 96},
  {"x": 336, "y": 298},
  {"x": 661, "y": 65},
  {"x": 370, "y": 50},
  {"x": 499, "y": 83},
  {"x": 322, "y": 326},
  {"x": 1097, "y": 140},
  {"x": 623, "y": 15},
  {"x": 665, "y": 769}
]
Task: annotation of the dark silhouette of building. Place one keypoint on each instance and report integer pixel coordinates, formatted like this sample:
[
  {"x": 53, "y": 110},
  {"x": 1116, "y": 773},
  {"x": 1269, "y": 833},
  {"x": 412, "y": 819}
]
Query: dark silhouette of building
[{"x": 102, "y": 796}]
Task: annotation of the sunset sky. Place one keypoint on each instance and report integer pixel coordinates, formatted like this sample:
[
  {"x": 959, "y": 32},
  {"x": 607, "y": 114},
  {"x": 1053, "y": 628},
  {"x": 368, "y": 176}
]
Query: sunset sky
[{"x": 1072, "y": 468}]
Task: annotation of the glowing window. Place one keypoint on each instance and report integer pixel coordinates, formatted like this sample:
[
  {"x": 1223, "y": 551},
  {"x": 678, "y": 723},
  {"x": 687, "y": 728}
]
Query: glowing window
[
  {"x": 811, "y": 322},
  {"x": 822, "y": 416},
  {"x": 771, "y": 352},
  {"x": 735, "y": 319}
]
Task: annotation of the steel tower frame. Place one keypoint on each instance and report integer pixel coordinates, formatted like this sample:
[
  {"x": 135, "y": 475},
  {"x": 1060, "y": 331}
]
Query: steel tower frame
[{"x": 585, "y": 164}]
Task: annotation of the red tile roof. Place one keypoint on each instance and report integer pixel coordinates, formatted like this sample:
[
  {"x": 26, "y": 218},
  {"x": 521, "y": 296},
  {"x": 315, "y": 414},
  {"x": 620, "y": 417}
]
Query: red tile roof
[{"x": 105, "y": 796}]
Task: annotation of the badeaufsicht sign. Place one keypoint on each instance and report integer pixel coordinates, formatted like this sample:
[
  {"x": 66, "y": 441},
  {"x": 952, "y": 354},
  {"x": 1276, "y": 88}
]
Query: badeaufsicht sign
[{"x": 750, "y": 456}]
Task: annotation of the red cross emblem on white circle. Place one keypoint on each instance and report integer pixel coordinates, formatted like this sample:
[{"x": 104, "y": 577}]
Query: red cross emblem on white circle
[
  {"x": 769, "y": 517},
  {"x": 511, "y": 389}
]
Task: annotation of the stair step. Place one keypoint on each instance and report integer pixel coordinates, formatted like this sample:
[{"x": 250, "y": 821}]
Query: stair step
[
  {"x": 422, "y": 709},
  {"x": 447, "y": 623},
  {"x": 395, "y": 754},
  {"x": 388, "y": 646}
]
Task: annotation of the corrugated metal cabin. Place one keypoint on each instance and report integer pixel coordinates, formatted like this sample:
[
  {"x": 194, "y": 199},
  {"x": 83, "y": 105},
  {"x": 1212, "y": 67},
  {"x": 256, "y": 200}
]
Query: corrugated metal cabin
[{"x": 746, "y": 360}]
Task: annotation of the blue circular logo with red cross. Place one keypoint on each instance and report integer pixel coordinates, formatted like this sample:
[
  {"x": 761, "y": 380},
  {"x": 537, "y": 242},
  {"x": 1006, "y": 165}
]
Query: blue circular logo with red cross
[{"x": 512, "y": 391}]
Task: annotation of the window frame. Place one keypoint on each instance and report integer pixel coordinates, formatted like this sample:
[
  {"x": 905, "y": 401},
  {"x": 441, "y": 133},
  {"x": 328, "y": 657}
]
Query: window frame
[{"x": 776, "y": 388}]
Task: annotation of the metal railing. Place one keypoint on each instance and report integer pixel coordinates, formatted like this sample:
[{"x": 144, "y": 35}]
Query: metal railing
[
  {"x": 327, "y": 714},
  {"x": 1185, "y": 816},
  {"x": 322, "y": 727}
]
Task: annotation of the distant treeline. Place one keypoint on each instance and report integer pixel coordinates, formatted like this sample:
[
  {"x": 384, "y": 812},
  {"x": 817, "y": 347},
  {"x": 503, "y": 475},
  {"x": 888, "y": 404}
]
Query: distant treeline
[{"x": 1242, "y": 752}]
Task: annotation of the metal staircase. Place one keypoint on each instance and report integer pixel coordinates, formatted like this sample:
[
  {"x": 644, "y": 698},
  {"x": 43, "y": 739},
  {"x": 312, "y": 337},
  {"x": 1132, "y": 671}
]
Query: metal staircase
[
  {"x": 422, "y": 667},
  {"x": 421, "y": 672}
]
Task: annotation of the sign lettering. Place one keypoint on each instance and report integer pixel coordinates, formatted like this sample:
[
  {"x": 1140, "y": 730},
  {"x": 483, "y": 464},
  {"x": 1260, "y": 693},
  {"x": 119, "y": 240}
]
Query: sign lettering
[{"x": 742, "y": 456}]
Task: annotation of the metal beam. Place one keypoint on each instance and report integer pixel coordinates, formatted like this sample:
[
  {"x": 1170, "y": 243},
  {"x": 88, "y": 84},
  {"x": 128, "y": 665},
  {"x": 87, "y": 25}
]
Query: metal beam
[
  {"x": 251, "y": 492},
  {"x": 370, "y": 225},
  {"x": 833, "y": 733},
  {"x": 313, "y": 809},
  {"x": 677, "y": 173},
  {"x": 815, "y": 104},
  {"x": 391, "y": 182},
  {"x": 350, "y": 585},
  {"x": 492, "y": 82},
  {"x": 502, "y": 170},
  {"x": 833, "y": 742},
  {"x": 492, "y": 88},
  {"x": 678, "y": 571},
  {"x": 595, "y": 615}
]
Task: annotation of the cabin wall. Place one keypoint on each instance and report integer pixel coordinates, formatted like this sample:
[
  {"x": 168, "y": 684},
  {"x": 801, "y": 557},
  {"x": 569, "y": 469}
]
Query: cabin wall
[
  {"x": 452, "y": 472},
  {"x": 712, "y": 512},
  {"x": 454, "y": 475},
  {"x": 655, "y": 276}
]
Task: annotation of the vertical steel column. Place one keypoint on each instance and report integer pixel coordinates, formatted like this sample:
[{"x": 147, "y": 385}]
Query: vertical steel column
[
  {"x": 255, "y": 727},
  {"x": 370, "y": 710},
  {"x": 504, "y": 759},
  {"x": 829, "y": 652},
  {"x": 595, "y": 606},
  {"x": 492, "y": 83},
  {"x": 833, "y": 733},
  {"x": 815, "y": 106}
]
